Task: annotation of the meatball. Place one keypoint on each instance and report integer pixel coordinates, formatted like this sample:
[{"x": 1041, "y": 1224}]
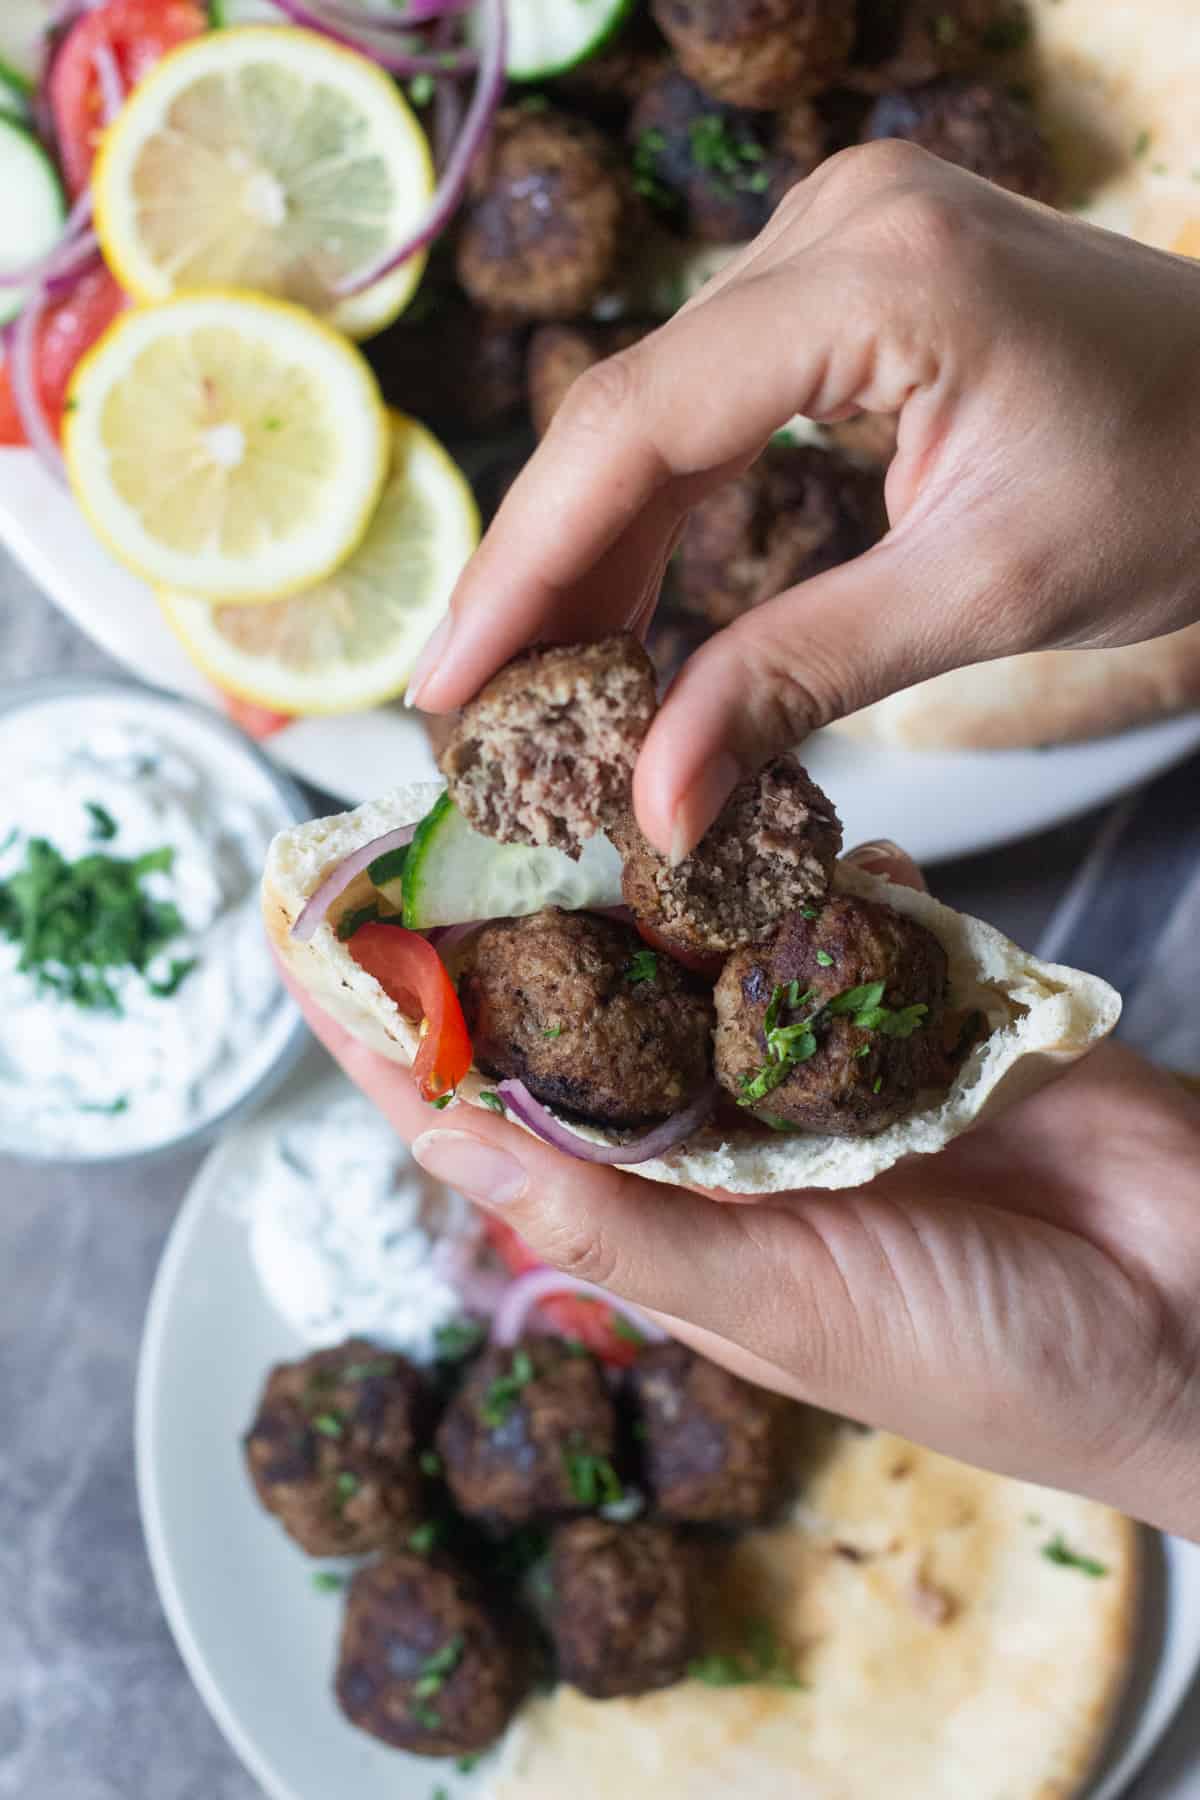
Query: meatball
[
  {"x": 713, "y": 1445},
  {"x": 332, "y": 1451},
  {"x": 544, "y": 754},
  {"x": 713, "y": 171},
  {"x": 425, "y": 1664},
  {"x": 560, "y": 354},
  {"x": 523, "y": 1432},
  {"x": 853, "y": 1000},
  {"x": 975, "y": 124},
  {"x": 545, "y": 218},
  {"x": 456, "y": 369},
  {"x": 902, "y": 42},
  {"x": 623, "y": 1618},
  {"x": 796, "y": 512},
  {"x": 771, "y": 849},
  {"x": 759, "y": 52},
  {"x": 594, "y": 1023}
]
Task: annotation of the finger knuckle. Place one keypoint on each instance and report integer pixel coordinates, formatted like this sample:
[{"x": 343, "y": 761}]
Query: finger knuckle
[
  {"x": 794, "y": 694},
  {"x": 931, "y": 224},
  {"x": 598, "y": 396},
  {"x": 578, "y": 1249},
  {"x": 864, "y": 169}
]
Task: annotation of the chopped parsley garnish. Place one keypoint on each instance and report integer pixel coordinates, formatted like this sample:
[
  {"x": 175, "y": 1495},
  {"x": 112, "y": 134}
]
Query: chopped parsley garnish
[
  {"x": 553, "y": 1031},
  {"x": 423, "y": 1538},
  {"x": 504, "y": 1392},
  {"x": 110, "y": 1109},
  {"x": 1141, "y": 143},
  {"x": 389, "y": 866},
  {"x": 809, "y": 912},
  {"x": 824, "y": 959},
  {"x": 430, "y": 1463},
  {"x": 427, "y": 1716},
  {"x": 625, "y": 1328},
  {"x": 575, "y": 1347},
  {"x": 440, "y": 1793},
  {"x": 877, "y": 1084},
  {"x": 492, "y": 1101},
  {"x": 345, "y": 1486},
  {"x": 349, "y": 922},
  {"x": 78, "y": 923},
  {"x": 465, "y": 1764},
  {"x": 443, "y": 1100},
  {"x": 762, "y": 1662},
  {"x": 104, "y": 826},
  {"x": 715, "y": 146},
  {"x": 421, "y": 89},
  {"x": 181, "y": 967},
  {"x": 790, "y": 1044},
  {"x": 436, "y": 1668},
  {"x": 1059, "y": 1551},
  {"x": 327, "y": 1581},
  {"x": 594, "y": 1481},
  {"x": 786, "y": 440},
  {"x": 646, "y": 152},
  {"x": 330, "y": 1424},
  {"x": 642, "y": 966},
  {"x": 367, "y": 1371},
  {"x": 457, "y": 1340},
  {"x": 944, "y": 28}
]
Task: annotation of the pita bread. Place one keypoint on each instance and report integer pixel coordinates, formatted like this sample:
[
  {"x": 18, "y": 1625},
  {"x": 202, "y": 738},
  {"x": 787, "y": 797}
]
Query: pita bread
[
  {"x": 943, "y": 1655},
  {"x": 1042, "y": 1016}
]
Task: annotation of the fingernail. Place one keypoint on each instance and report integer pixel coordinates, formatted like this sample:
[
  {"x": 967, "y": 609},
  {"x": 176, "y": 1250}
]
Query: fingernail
[
  {"x": 489, "y": 1176},
  {"x": 701, "y": 804},
  {"x": 878, "y": 850},
  {"x": 435, "y": 648}
]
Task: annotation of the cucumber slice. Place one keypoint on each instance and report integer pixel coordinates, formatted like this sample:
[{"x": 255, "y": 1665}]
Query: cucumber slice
[
  {"x": 548, "y": 37},
  {"x": 22, "y": 40},
  {"x": 14, "y": 102},
  {"x": 244, "y": 12},
  {"x": 454, "y": 873},
  {"x": 31, "y": 219}
]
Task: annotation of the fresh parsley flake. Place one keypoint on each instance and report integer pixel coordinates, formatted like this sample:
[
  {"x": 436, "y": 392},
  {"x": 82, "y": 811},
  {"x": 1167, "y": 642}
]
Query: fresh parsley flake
[
  {"x": 436, "y": 1669},
  {"x": 1141, "y": 143},
  {"x": 877, "y": 1084},
  {"x": 787, "y": 440},
  {"x": 465, "y": 1764},
  {"x": 1058, "y": 1551},
  {"x": 863, "y": 1050},
  {"x": 345, "y": 1486},
  {"x": 330, "y": 1424},
  {"x": 421, "y": 89},
  {"x": 945, "y": 28},
  {"x": 553, "y": 1031},
  {"x": 717, "y": 147},
  {"x": 367, "y": 1371},
  {"x": 594, "y": 1481},
  {"x": 809, "y": 912},
  {"x": 104, "y": 826},
  {"x": 503, "y": 1393},
  {"x": 109, "y": 1109},
  {"x": 427, "y": 1716},
  {"x": 646, "y": 179},
  {"x": 642, "y": 966},
  {"x": 181, "y": 967},
  {"x": 625, "y": 1328},
  {"x": 575, "y": 1347},
  {"x": 328, "y": 1581},
  {"x": 457, "y": 1340},
  {"x": 762, "y": 1662},
  {"x": 492, "y": 1101},
  {"x": 422, "y": 1540},
  {"x": 389, "y": 866},
  {"x": 430, "y": 1463},
  {"x": 824, "y": 959},
  {"x": 443, "y": 1101}
]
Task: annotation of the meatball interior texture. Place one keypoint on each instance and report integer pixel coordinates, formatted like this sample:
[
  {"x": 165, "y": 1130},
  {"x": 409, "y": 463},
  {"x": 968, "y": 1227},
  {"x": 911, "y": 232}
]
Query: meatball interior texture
[
  {"x": 425, "y": 1664},
  {"x": 560, "y": 354},
  {"x": 623, "y": 1619},
  {"x": 513, "y": 1436},
  {"x": 544, "y": 754},
  {"x": 796, "y": 512},
  {"x": 545, "y": 219},
  {"x": 760, "y": 53},
  {"x": 975, "y": 124},
  {"x": 712, "y": 1444},
  {"x": 592, "y": 1022},
  {"x": 333, "y": 1446},
  {"x": 836, "y": 992},
  {"x": 770, "y": 851}
]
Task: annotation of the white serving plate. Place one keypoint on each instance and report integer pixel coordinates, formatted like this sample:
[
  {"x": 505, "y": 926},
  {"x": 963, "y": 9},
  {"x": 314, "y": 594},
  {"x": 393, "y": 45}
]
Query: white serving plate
[{"x": 937, "y": 804}]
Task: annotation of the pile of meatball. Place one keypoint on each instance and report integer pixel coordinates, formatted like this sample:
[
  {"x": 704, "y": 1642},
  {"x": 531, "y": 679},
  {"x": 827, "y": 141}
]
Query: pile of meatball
[
  {"x": 532, "y": 1515},
  {"x": 692, "y": 125}
]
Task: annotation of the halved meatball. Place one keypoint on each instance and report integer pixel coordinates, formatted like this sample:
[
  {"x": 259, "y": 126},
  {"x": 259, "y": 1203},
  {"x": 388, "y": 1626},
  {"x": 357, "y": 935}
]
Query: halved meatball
[
  {"x": 544, "y": 224},
  {"x": 771, "y": 850},
  {"x": 622, "y": 1617},
  {"x": 544, "y": 754},
  {"x": 836, "y": 1025},
  {"x": 332, "y": 1451},
  {"x": 712, "y": 1444},
  {"x": 975, "y": 124},
  {"x": 796, "y": 512},
  {"x": 425, "y": 1663},
  {"x": 560, "y": 354},
  {"x": 522, "y": 1433},
  {"x": 592, "y": 1021},
  {"x": 759, "y": 52}
]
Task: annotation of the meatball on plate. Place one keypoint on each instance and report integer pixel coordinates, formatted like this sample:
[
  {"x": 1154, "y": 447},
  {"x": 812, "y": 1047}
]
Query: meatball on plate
[{"x": 853, "y": 1022}]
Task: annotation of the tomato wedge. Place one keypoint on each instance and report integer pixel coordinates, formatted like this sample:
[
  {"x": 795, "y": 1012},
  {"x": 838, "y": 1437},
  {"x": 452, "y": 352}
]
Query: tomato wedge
[
  {"x": 66, "y": 330},
  {"x": 603, "y": 1330},
  {"x": 700, "y": 962},
  {"x": 136, "y": 34},
  {"x": 256, "y": 721},
  {"x": 410, "y": 972}
]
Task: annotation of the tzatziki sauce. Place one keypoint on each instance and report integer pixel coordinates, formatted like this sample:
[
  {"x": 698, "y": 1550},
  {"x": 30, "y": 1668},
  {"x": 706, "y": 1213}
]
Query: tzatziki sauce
[{"x": 113, "y": 772}]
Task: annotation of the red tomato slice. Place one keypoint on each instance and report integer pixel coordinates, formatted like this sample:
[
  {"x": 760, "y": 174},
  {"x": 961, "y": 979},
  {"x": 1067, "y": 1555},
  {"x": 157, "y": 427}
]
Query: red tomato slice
[
  {"x": 66, "y": 330},
  {"x": 574, "y": 1315},
  {"x": 410, "y": 971},
  {"x": 256, "y": 721},
  {"x": 700, "y": 962},
  {"x": 138, "y": 34}
]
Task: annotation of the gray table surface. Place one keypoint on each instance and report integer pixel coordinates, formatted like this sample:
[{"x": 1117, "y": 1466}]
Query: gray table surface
[{"x": 94, "y": 1701}]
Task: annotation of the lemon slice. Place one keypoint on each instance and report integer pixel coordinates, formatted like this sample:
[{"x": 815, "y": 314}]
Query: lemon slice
[
  {"x": 349, "y": 642},
  {"x": 266, "y": 158},
  {"x": 226, "y": 444}
]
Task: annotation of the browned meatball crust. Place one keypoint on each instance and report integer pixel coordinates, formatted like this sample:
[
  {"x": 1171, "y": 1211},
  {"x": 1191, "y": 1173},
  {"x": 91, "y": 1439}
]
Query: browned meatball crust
[
  {"x": 860, "y": 1077},
  {"x": 796, "y": 512},
  {"x": 594, "y": 1024},
  {"x": 623, "y": 1619},
  {"x": 760, "y": 52},
  {"x": 511, "y": 1437},
  {"x": 332, "y": 1451},
  {"x": 425, "y": 1664},
  {"x": 771, "y": 849},
  {"x": 544, "y": 754},
  {"x": 560, "y": 354},
  {"x": 545, "y": 218},
  {"x": 712, "y": 1444},
  {"x": 903, "y": 42},
  {"x": 974, "y": 124},
  {"x": 458, "y": 370}
]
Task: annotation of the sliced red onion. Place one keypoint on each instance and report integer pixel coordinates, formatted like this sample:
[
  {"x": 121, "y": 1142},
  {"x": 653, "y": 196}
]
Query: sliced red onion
[
  {"x": 536, "y": 1285},
  {"x": 446, "y": 937},
  {"x": 673, "y": 1131},
  {"x": 28, "y": 401},
  {"x": 447, "y": 120},
  {"x": 340, "y": 878},
  {"x": 415, "y": 12},
  {"x": 489, "y": 85},
  {"x": 376, "y": 44},
  {"x": 108, "y": 77}
]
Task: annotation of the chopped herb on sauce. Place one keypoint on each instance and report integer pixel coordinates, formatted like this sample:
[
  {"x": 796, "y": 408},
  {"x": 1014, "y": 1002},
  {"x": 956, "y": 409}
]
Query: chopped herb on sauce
[
  {"x": 504, "y": 1392},
  {"x": 762, "y": 1661},
  {"x": 1058, "y": 1551},
  {"x": 111, "y": 1109},
  {"x": 327, "y": 1581},
  {"x": 104, "y": 826}
]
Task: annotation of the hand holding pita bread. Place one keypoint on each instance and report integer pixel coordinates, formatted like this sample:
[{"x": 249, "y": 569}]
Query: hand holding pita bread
[{"x": 1043, "y": 494}]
